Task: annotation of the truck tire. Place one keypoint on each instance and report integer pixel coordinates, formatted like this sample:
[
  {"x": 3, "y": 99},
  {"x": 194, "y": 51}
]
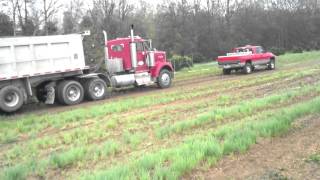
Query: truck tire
[
  {"x": 11, "y": 99},
  {"x": 247, "y": 68},
  {"x": 272, "y": 64},
  {"x": 226, "y": 71},
  {"x": 70, "y": 92},
  {"x": 95, "y": 89},
  {"x": 164, "y": 79}
]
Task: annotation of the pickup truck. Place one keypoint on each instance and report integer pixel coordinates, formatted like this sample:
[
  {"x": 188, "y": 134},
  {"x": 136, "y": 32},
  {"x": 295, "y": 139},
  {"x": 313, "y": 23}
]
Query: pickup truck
[{"x": 246, "y": 58}]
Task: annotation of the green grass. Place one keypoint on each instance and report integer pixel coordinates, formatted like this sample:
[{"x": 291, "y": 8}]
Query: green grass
[
  {"x": 133, "y": 139},
  {"x": 298, "y": 58},
  {"x": 103, "y": 142},
  {"x": 64, "y": 159},
  {"x": 315, "y": 158},
  {"x": 80, "y": 136},
  {"x": 234, "y": 137},
  {"x": 61, "y": 160},
  {"x": 32, "y": 124},
  {"x": 83, "y": 136},
  {"x": 242, "y": 109}
]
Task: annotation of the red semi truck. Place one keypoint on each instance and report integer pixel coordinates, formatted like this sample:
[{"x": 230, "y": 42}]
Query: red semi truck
[
  {"x": 53, "y": 68},
  {"x": 246, "y": 58}
]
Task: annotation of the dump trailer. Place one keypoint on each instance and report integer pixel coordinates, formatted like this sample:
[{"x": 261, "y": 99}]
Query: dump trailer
[{"x": 53, "y": 68}]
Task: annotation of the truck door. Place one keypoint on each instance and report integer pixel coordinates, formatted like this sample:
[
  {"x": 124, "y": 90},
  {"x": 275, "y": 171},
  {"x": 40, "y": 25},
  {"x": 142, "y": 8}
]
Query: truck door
[
  {"x": 141, "y": 57},
  {"x": 260, "y": 55},
  {"x": 256, "y": 56}
]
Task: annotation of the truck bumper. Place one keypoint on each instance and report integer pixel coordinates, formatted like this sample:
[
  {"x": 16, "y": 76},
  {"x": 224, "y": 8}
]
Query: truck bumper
[{"x": 231, "y": 65}]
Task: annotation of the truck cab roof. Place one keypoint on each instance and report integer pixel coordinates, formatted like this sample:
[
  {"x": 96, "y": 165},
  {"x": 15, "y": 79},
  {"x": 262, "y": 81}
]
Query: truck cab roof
[{"x": 125, "y": 40}]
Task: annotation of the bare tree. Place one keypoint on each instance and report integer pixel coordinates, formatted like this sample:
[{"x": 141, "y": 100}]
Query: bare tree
[
  {"x": 13, "y": 5},
  {"x": 124, "y": 9},
  {"x": 72, "y": 16},
  {"x": 50, "y": 8}
]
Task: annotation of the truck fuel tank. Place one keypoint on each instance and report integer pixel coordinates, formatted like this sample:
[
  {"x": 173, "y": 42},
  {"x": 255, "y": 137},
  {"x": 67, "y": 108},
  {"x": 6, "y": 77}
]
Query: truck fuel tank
[{"x": 123, "y": 80}]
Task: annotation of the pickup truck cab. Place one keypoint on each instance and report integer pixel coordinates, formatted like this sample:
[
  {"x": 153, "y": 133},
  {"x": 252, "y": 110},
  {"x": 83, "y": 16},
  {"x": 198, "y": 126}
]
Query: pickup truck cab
[{"x": 246, "y": 58}]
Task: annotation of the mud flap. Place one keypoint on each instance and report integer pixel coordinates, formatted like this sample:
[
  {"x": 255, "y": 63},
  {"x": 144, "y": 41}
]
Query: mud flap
[{"x": 50, "y": 95}]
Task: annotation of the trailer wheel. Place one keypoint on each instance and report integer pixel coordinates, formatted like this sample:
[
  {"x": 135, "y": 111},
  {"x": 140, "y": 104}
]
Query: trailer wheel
[
  {"x": 11, "y": 99},
  {"x": 272, "y": 64},
  {"x": 70, "y": 92},
  {"x": 226, "y": 71},
  {"x": 247, "y": 68},
  {"x": 95, "y": 89},
  {"x": 164, "y": 79}
]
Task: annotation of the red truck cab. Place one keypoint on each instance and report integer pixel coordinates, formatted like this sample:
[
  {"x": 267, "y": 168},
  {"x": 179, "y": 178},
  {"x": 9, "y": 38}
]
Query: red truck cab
[
  {"x": 133, "y": 61},
  {"x": 120, "y": 48},
  {"x": 246, "y": 58}
]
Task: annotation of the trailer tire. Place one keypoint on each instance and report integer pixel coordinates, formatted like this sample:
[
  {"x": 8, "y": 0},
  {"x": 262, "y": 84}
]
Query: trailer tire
[
  {"x": 70, "y": 92},
  {"x": 95, "y": 89},
  {"x": 272, "y": 64},
  {"x": 11, "y": 99},
  {"x": 226, "y": 71},
  {"x": 247, "y": 68},
  {"x": 165, "y": 79}
]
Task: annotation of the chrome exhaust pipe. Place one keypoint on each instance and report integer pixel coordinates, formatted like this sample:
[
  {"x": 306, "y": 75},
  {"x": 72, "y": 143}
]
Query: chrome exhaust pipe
[
  {"x": 106, "y": 45},
  {"x": 133, "y": 50}
]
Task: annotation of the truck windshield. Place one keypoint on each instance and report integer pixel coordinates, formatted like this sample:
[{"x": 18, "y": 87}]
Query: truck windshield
[
  {"x": 260, "y": 49},
  {"x": 146, "y": 45}
]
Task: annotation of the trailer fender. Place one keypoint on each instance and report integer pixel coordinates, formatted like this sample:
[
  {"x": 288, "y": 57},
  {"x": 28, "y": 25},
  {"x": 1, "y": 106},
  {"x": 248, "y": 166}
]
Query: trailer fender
[{"x": 104, "y": 77}]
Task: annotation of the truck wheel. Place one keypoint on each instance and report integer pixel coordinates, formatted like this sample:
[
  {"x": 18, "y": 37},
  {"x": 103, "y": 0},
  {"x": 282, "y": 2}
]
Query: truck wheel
[
  {"x": 272, "y": 64},
  {"x": 226, "y": 71},
  {"x": 70, "y": 92},
  {"x": 247, "y": 68},
  {"x": 95, "y": 89},
  {"x": 11, "y": 99},
  {"x": 164, "y": 79}
]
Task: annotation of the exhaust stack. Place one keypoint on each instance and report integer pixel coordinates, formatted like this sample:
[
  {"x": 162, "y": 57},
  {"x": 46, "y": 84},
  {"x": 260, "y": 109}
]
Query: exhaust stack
[
  {"x": 106, "y": 45},
  {"x": 133, "y": 50}
]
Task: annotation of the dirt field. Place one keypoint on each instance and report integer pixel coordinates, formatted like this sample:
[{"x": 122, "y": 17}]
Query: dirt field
[{"x": 207, "y": 126}]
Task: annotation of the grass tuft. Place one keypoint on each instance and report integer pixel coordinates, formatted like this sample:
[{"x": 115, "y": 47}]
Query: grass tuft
[{"x": 67, "y": 158}]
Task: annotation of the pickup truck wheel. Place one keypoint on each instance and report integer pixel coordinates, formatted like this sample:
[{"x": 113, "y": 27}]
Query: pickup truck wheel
[
  {"x": 70, "y": 92},
  {"x": 164, "y": 79},
  {"x": 95, "y": 89},
  {"x": 226, "y": 71},
  {"x": 247, "y": 68},
  {"x": 272, "y": 64},
  {"x": 11, "y": 99}
]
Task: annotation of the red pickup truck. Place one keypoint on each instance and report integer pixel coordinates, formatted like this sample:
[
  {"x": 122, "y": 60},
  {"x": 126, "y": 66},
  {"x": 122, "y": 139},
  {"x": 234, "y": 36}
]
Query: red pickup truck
[{"x": 246, "y": 58}]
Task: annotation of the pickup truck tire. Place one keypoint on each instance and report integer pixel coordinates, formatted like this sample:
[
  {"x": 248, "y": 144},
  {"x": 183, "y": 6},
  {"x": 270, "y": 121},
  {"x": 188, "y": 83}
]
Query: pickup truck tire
[
  {"x": 226, "y": 71},
  {"x": 272, "y": 64},
  {"x": 165, "y": 79},
  {"x": 95, "y": 89},
  {"x": 70, "y": 92},
  {"x": 247, "y": 68},
  {"x": 11, "y": 99}
]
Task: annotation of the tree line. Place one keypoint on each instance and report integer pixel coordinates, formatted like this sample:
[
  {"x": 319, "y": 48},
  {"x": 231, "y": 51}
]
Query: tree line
[{"x": 201, "y": 29}]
